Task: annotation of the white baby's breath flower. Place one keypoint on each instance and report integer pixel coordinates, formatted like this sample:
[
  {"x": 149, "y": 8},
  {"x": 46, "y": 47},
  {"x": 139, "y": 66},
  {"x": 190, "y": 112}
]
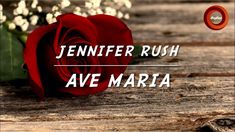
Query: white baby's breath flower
[
  {"x": 50, "y": 19},
  {"x": 25, "y": 25},
  {"x": 1, "y": 8},
  {"x": 127, "y": 16},
  {"x": 77, "y": 13},
  {"x": 92, "y": 12},
  {"x": 15, "y": 12},
  {"x": 25, "y": 12},
  {"x": 57, "y": 14},
  {"x": 95, "y": 3},
  {"x": 18, "y": 11},
  {"x": 12, "y": 26},
  {"x": 110, "y": 11},
  {"x": 34, "y": 4},
  {"x": 22, "y": 4},
  {"x": 1, "y": 12},
  {"x": 2, "y": 19},
  {"x": 64, "y": 3},
  {"x": 77, "y": 9},
  {"x": 99, "y": 11},
  {"x": 34, "y": 20},
  {"x": 39, "y": 9},
  {"x": 119, "y": 14},
  {"x": 49, "y": 16},
  {"x": 128, "y": 4},
  {"x": 84, "y": 14},
  {"x": 18, "y": 20},
  {"x": 88, "y": 5}
]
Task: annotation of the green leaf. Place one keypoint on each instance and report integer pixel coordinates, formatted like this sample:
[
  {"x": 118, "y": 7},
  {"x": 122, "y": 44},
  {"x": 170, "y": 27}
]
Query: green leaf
[{"x": 11, "y": 56}]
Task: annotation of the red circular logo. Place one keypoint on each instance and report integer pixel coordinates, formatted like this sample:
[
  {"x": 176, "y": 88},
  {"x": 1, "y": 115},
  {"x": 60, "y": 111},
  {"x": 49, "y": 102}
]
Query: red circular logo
[{"x": 216, "y": 17}]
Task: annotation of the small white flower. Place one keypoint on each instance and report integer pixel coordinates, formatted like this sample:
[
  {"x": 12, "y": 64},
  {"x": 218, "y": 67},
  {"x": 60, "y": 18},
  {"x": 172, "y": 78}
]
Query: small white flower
[
  {"x": 119, "y": 14},
  {"x": 18, "y": 11},
  {"x": 49, "y": 16},
  {"x": 88, "y": 5},
  {"x": 99, "y": 11},
  {"x": 3, "y": 19},
  {"x": 77, "y": 13},
  {"x": 57, "y": 14},
  {"x": 15, "y": 12},
  {"x": 84, "y": 14},
  {"x": 11, "y": 26},
  {"x": 1, "y": 12},
  {"x": 1, "y": 8},
  {"x": 22, "y": 4},
  {"x": 25, "y": 12},
  {"x": 78, "y": 9},
  {"x": 18, "y": 20},
  {"x": 95, "y": 3},
  {"x": 110, "y": 11},
  {"x": 50, "y": 19},
  {"x": 54, "y": 20},
  {"x": 25, "y": 25},
  {"x": 39, "y": 8},
  {"x": 34, "y": 4},
  {"x": 127, "y": 16},
  {"x": 128, "y": 4},
  {"x": 64, "y": 3},
  {"x": 92, "y": 12},
  {"x": 34, "y": 20}
]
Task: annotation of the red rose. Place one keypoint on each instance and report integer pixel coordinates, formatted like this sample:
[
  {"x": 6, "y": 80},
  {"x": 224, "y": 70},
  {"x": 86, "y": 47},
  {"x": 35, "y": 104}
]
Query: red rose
[{"x": 43, "y": 45}]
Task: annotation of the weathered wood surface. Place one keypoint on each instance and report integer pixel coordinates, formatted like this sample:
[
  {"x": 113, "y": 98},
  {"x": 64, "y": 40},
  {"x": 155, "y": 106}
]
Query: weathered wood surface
[
  {"x": 199, "y": 102},
  {"x": 201, "y": 97},
  {"x": 192, "y": 61},
  {"x": 178, "y": 23}
]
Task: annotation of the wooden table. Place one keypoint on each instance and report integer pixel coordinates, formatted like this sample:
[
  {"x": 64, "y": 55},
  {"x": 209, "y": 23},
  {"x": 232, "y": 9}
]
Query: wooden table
[{"x": 201, "y": 96}]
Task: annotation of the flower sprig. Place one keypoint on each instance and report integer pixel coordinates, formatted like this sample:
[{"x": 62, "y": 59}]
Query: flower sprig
[
  {"x": 25, "y": 16},
  {"x": 31, "y": 13}
]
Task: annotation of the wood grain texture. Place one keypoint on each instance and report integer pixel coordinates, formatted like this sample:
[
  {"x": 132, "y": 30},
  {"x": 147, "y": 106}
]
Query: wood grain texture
[
  {"x": 189, "y": 104},
  {"x": 201, "y": 96},
  {"x": 192, "y": 103},
  {"x": 192, "y": 61},
  {"x": 178, "y": 23}
]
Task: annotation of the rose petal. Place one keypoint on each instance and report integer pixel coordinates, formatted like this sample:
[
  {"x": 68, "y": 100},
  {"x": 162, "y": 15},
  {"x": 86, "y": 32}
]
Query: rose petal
[
  {"x": 112, "y": 31},
  {"x": 30, "y": 57},
  {"x": 81, "y": 24}
]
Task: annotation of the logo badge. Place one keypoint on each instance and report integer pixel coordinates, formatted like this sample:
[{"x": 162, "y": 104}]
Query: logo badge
[{"x": 216, "y": 17}]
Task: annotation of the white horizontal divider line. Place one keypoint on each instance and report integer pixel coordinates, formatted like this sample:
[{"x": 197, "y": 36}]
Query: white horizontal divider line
[{"x": 117, "y": 65}]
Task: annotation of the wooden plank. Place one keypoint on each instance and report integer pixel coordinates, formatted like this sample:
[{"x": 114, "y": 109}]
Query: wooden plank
[
  {"x": 193, "y": 102},
  {"x": 190, "y": 104},
  {"x": 192, "y": 61},
  {"x": 178, "y": 23}
]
